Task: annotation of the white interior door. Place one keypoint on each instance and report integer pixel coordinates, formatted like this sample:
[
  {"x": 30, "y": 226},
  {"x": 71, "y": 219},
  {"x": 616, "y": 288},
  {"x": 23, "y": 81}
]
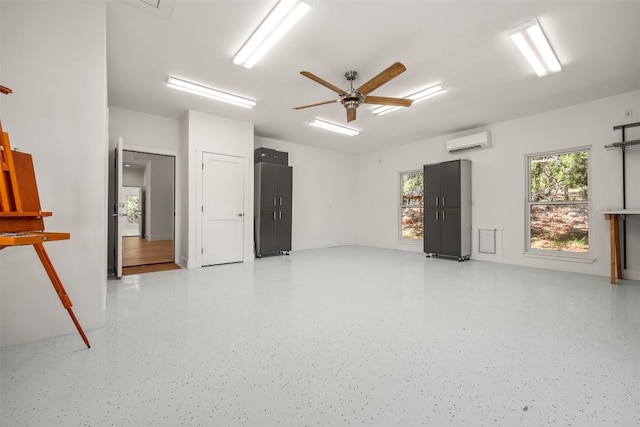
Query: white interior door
[
  {"x": 222, "y": 209},
  {"x": 119, "y": 210}
]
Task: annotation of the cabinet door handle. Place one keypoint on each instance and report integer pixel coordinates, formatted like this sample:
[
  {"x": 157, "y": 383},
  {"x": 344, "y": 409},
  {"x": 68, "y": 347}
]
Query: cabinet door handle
[
  {"x": 274, "y": 201},
  {"x": 280, "y": 214},
  {"x": 442, "y": 200},
  {"x": 274, "y": 215},
  {"x": 436, "y": 200},
  {"x": 443, "y": 215},
  {"x": 437, "y": 215},
  {"x": 280, "y": 201}
]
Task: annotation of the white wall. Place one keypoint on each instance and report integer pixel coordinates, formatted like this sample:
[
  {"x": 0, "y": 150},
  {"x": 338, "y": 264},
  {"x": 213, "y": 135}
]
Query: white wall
[
  {"x": 161, "y": 187},
  {"x": 183, "y": 226},
  {"x": 206, "y": 133},
  {"x": 133, "y": 177},
  {"x": 53, "y": 56},
  {"x": 498, "y": 175},
  {"x": 143, "y": 130},
  {"x": 324, "y": 195}
]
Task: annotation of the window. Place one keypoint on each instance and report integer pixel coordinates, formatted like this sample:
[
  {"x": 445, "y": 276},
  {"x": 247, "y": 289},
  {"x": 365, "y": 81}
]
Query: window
[
  {"x": 133, "y": 209},
  {"x": 411, "y": 206},
  {"x": 558, "y": 202}
]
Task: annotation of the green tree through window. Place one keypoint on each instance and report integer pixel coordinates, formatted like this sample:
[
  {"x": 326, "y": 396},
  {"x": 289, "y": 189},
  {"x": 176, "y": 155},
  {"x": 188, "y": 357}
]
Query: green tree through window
[
  {"x": 558, "y": 202},
  {"x": 411, "y": 205},
  {"x": 133, "y": 209}
]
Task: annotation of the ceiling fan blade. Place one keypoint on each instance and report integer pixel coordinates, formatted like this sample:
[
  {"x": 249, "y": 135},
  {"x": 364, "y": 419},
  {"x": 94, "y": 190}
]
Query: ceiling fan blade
[
  {"x": 386, "y": 75},
  {"x": 314, "y": 105},
  {"x": 351, "y": 114},
  {"x": 323, "y": 82},
  {"x": 383, "y": 100}
]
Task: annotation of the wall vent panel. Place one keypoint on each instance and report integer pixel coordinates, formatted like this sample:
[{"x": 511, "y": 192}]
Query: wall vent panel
[{"x": 487, "y": 241}]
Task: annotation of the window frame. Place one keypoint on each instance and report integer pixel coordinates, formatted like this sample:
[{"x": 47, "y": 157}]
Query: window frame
[
  {"x": 528, "y": 250},
  {"x": 401, "y": 239}
]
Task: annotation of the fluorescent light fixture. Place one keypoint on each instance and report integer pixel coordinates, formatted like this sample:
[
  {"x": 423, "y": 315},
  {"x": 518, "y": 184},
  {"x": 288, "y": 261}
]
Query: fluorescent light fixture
[
  {"x": 208, "y": 92},
  {"x": 334, "y": 127},
  {"x": 277, "y": 24},
  {"x": 430, "y": 92},
  {"x": 535, "y": 47}
]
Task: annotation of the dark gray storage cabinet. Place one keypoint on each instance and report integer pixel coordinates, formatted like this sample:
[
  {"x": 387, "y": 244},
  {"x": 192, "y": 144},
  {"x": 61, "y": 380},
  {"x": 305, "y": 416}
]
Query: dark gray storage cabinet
[
  {"x": 447, "y": 209},
  {"x": 273, "y": 202}
]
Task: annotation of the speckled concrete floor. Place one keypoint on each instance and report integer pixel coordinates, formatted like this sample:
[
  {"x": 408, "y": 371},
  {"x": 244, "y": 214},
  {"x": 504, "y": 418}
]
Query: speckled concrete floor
[{"x": 337, "y": 337}]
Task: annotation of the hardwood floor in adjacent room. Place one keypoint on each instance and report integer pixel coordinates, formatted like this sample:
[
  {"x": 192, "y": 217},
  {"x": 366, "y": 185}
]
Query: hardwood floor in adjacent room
[
  {"x": 150, "y": 268},
  {"x": 140, "y": 255}
]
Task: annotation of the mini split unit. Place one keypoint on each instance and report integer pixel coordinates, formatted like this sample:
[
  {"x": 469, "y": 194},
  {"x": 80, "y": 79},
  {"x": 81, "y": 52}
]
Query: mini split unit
[{"x": 469, "y": 142}]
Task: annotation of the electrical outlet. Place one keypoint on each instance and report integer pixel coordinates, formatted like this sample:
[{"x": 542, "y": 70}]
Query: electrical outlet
[{"x": 628, "y": 113}]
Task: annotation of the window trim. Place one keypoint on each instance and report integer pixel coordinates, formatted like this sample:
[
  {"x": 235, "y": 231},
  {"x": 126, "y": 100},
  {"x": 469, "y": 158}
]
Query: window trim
[
  {"x": 550, "y": 253},
  {"x": 400, "y": 206}
]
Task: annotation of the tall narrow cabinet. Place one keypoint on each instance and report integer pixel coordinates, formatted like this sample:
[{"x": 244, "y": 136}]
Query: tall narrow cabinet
[
  {"x": 447, "y": 209},
  {"x": 273, "y": 202}
]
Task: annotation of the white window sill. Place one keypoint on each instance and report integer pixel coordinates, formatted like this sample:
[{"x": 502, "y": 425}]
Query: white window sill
[
  {"x": 411, "y": 242},
  {"x": 554, "y": 257}
]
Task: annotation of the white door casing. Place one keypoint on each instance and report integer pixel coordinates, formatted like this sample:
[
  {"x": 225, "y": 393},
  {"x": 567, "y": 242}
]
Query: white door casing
[
  {"x": 119, "y": 209},
  {"x": 222, "y": 209}
]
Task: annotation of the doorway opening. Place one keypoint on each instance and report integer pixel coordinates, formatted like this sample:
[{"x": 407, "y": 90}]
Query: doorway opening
[{"x": 147, "y": 220}]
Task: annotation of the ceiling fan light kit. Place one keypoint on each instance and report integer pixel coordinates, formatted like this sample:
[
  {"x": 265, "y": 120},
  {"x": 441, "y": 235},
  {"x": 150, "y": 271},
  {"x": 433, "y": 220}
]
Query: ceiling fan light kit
[
  {"x": 334, "y": 127},
  {"x": 210, "y": 93},
  {"x": 534, "y": 46},
  {"x": 429, "y": 92},
  {"x": 283, "y": 16}
]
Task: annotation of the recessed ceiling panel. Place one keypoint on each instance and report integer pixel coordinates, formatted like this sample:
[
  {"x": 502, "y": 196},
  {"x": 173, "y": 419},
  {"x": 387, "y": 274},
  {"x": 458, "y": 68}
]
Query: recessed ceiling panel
[{"x": 152, "y": 3}]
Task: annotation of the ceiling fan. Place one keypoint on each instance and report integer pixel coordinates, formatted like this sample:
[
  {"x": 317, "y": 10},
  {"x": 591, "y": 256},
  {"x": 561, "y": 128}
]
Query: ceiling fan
[{"x": 352, "y": 98}]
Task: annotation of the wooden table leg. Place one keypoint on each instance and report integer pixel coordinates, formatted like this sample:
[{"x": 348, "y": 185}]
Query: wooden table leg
[
  {"x": 57, "y": 284},
  {"x": 613, "y": 244},
  {"x": 616, "y": 237}
]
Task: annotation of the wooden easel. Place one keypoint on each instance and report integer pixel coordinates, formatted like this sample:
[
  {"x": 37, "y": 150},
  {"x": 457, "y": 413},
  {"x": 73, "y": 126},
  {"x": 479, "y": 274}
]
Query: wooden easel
[{"x": 21, "y": 219}]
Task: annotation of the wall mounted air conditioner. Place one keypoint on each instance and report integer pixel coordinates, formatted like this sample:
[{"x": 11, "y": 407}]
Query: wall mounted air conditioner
[{"x": 469, "y": 142}]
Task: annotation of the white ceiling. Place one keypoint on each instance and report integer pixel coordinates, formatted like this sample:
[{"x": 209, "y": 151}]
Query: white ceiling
[
  {"x": 139, "y": 160},
  {"x": 463, "y": 44}
]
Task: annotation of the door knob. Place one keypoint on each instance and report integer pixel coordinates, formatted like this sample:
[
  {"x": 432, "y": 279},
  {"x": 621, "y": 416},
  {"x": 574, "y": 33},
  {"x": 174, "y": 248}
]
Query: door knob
[{"x": 241, "y": 214}]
